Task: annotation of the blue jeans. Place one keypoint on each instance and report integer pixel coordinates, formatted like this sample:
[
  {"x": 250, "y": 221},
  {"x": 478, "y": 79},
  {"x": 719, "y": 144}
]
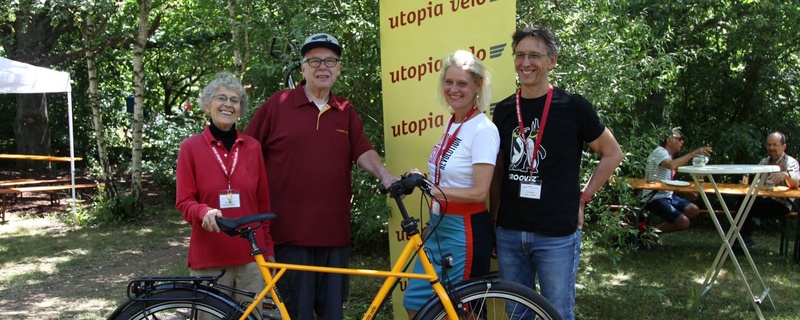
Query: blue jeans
[
  {"x": 524, "y": 257},
  {"x": 669, "y": 209}
]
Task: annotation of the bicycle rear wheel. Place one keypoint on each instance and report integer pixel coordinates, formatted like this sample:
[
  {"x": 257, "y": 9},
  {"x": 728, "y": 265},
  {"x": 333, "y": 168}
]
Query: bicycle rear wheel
[
  {"x": 179, "y": 304},
  {"x": 487, "y": 299}
]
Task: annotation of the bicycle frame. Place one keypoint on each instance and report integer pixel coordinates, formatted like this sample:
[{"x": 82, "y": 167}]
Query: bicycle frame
[
  {"x": 238, "y": 227},
  {"x": 414, "y": 244}
]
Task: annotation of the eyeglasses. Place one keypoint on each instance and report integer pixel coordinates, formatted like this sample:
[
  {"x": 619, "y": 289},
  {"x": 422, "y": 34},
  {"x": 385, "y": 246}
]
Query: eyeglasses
[
  {"x": 315, "y": 62},
  {"x": 519, "y": 56},
  {"x": 221, "y": 98}
]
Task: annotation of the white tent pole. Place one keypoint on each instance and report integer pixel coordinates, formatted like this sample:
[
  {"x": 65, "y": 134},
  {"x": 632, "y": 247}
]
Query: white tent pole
[
  {"x": 71, "y": 150},
  {"x": 18, "y": 77}
]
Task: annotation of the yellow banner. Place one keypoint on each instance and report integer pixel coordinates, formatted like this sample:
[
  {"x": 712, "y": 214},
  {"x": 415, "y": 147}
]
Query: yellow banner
[{"x": 415, "y": 36}]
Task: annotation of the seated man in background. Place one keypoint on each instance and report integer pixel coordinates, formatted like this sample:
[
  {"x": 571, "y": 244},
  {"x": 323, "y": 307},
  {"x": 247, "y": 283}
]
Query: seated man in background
[
  {"x": 675, "y": 212},
  {"x": 789, "y": 176}
]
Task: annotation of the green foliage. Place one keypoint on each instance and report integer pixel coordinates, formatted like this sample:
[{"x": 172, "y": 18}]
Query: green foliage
[
  {"x": 720, "y": 70},
  {"x": 726, "y": 72},
  {"x": 102, "y": 211},
  {"x": 161, "y": 151},
  {"x": 612, "y": 228},
  {"x": 369, "y": 215}
]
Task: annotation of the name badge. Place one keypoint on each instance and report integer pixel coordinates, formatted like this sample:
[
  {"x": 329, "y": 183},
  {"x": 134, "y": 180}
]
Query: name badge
[
  {"x": 530, "y": 189},
  {"x": 436, "y": 208},
  {"x": 229, "y": 199}
]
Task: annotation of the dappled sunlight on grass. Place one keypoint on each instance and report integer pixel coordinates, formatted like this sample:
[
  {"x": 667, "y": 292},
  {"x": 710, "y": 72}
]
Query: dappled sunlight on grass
[
  {"x": 33, "y": 265},
  {"x": 31, "y": 226},
  {"x": 51, "y": 271},
  {"x": 663, "y": 282},
  {"x": 619, "y": 279}
]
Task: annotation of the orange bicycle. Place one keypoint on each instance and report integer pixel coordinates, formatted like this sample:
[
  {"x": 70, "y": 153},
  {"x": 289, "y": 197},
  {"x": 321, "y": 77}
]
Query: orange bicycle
[{"x": 193, "y": 297}]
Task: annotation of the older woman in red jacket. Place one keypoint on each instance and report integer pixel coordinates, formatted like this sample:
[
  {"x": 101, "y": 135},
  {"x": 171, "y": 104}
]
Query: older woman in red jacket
[{"x": 221, "y": 174}]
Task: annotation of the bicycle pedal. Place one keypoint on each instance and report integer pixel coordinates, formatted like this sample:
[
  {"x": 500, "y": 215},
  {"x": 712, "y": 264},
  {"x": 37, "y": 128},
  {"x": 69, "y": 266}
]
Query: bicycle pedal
[
  {"x": 270, "y": 310},
  {"x": 273, "y": 314},
  {"x": 268, "y": 304}
]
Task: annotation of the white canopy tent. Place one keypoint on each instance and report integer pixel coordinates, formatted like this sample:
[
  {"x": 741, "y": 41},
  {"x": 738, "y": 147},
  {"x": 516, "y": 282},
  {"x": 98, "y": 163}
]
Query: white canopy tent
[{"x": 18, "y": 77}]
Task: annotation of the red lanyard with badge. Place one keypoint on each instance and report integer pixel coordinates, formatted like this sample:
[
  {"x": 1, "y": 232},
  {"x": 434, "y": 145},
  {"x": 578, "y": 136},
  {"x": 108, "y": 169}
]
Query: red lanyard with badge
[
  {"x": 447, "y": 143},
  {"x": 532, "y": 189},
  {"x": 228, "y": 198}
]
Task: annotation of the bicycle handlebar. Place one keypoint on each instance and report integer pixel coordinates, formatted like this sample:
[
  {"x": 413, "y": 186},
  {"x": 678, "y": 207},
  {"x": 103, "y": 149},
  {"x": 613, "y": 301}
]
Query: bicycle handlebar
[{"x": 406, "y": 185}]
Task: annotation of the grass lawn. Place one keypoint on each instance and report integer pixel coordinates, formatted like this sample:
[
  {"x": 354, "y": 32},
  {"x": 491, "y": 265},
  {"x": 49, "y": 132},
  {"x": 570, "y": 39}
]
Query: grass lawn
[
  {"x": 664, "y": 281},
  {"x": 50, "y": 271}
]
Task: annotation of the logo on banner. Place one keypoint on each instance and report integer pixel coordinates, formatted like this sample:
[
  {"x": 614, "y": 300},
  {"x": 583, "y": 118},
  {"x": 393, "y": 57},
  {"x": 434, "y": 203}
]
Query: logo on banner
[
  {"x": 431, "y": 66},
  {"x": 432, "y": 11}
]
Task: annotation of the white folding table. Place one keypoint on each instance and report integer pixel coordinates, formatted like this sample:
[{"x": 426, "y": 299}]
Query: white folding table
[{"x": 760, "y": 173}]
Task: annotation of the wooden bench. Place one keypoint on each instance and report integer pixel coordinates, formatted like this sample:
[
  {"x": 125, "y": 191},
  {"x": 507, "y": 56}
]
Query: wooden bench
[
  {"x": 5, "y": 192},
  {"x": 6, "y": 183},
  {"x": 16, "y": 184},
  {"x": 50, "y": 189},
  {"x": 785, "y": 228},
  {"x": 53, "y": 188},
  {"x": 32, "y": 182}
]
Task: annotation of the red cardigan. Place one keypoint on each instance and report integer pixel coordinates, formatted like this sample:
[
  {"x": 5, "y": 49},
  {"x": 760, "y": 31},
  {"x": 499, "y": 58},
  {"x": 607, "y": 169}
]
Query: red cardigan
[{"x": 200, "y": 179}]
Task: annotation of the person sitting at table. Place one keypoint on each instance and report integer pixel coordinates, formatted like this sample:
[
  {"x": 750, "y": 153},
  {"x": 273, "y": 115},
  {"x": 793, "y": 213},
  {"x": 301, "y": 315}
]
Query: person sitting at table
[
  {"x": 789, "y": 176},
  {"x": 675, "y": 211}
]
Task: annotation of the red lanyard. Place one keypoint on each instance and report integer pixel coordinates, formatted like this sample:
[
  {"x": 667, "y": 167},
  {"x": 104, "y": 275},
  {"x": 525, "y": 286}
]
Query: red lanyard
[
  {"x": 447, "y": 142},
  {"x": 541, "y": 127},
  {"x": 235, "y": 153},
  {"x": 779, "y": 163}
]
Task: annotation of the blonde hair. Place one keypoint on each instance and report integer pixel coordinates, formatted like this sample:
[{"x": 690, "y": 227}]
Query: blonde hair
[{"x": 466, "y": 61}]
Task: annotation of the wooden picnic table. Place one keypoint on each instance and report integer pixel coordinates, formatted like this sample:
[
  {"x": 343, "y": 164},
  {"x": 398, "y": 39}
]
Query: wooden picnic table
[
  {"x": 29, "y": 182},
  {"x": 735, "y": 189},
  {"x": 5, "y": 192},
  {"x": 12, "y": 187},
  {"x": 36, "y": 157}
]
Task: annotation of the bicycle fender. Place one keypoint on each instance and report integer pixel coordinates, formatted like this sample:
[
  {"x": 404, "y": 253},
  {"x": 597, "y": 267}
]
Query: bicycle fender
[{"x": 201, "y": 290}]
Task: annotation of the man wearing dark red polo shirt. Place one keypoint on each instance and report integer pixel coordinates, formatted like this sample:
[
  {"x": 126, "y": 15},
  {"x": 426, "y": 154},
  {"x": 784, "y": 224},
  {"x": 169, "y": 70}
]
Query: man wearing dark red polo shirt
[{"x": 310, "y": 138}]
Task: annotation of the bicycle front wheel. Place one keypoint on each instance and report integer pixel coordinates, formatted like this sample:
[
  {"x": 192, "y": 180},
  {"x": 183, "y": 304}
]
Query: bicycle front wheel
[
  {"x": 179, "y": 304},
  {"x": 486, "y": 299}
]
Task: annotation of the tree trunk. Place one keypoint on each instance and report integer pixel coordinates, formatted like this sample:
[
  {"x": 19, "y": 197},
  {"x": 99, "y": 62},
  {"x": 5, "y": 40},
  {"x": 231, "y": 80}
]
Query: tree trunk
[
  {"x": 138, "y": 118},
  {"x": 97, "y": 115},
  {"x": 32, "y": 129},
  {"x": 30, "y": 37},
  {"x": 237, "y": 57}
]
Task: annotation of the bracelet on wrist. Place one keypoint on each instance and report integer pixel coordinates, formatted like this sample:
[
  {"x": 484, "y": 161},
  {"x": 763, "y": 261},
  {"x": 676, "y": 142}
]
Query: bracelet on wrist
[{"x": 585, "y": 197}]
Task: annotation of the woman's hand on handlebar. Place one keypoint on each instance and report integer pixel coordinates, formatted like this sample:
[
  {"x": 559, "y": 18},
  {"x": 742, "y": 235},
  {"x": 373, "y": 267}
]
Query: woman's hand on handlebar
[{"x": 209, "y": 220}]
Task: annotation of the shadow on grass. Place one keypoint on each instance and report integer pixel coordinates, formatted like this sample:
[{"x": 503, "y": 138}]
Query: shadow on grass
[
  {"x": 52, "y": 271},
  {"x": 663, "y": 282}
]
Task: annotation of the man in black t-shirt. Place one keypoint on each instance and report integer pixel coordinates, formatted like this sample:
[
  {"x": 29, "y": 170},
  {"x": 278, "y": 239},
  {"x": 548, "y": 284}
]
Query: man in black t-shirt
[{"x": 536, "y": 195}]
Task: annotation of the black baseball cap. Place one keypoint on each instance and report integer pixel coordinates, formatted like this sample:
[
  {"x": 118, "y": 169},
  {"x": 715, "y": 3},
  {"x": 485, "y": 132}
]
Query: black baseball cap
[{"x": 321, "y": 40}]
